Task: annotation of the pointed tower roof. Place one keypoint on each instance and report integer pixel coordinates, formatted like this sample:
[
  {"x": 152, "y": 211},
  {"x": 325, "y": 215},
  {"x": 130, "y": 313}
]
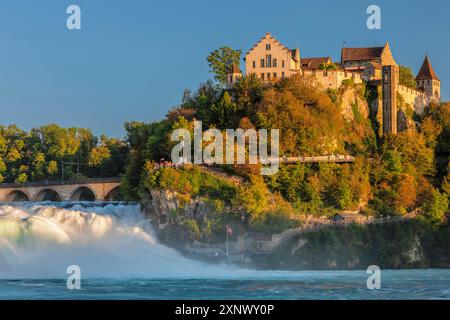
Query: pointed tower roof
[
  {"x": 234, "y": 69},
  {"x": 426, "y": 71}
]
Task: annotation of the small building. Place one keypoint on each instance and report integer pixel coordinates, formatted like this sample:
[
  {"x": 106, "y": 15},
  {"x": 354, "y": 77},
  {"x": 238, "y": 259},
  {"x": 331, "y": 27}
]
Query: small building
[
  {"x": 233, "y": 74},
  {"x": 358, "y": 59},
  {"x": 315, "y": 63},
  {"x": 348, "y": 217}
]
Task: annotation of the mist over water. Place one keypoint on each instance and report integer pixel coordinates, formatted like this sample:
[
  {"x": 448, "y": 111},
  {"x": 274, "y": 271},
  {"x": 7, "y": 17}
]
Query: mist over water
[
  {"x": 39, "y": 240},
  {"x": 120, "y": 258}
]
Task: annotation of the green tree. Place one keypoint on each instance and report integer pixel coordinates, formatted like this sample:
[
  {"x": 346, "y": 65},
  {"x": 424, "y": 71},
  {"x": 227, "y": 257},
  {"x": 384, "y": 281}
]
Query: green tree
[
  {"x": 221, "y": 61},
  {"x": 52, "y": 168},
  {"x": 406, "y": 77},
  {"x": 21, "y": 178},
  {"x": 436, "y": 208},
  {"x": 38, "y": 166},
  {"x": 98, "y": 156}
]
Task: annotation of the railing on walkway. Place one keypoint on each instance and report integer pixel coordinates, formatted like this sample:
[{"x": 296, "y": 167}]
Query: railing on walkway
[
  {"x": 278, "y": 239},
  {"x": 60, "y": 182}
]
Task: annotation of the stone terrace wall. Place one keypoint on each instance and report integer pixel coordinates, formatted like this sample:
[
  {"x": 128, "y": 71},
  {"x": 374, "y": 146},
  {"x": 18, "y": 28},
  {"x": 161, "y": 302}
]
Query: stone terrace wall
[
  {"x": 331, "y": 79},
  {"x": 414, "y": 98}
]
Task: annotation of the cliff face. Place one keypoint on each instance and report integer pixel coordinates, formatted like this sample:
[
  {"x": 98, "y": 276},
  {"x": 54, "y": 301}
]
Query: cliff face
[
  {"x": 413, "y": 244},
  {"x": 396, "y": 245},
  {"x": 352, "y": 104},
  {"x": 166, "y": 207},
  {"x": 169, "y": 212}
]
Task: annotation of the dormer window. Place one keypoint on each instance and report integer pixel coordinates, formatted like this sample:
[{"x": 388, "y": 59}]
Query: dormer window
[{"x": 267, "y": 46}]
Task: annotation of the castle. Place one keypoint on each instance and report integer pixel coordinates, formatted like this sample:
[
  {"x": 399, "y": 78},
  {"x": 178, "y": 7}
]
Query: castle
[{"x": 270, "y": 60}]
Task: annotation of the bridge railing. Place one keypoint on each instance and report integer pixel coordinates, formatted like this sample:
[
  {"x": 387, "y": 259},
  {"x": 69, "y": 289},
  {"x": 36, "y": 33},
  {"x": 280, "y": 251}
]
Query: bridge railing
[{"x": 59, "y": 182}]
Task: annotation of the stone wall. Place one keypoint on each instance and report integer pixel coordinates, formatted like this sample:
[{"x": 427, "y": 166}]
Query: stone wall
[
  {"x": 331, "y": 79},
  {"x": 416, "y": 99}
]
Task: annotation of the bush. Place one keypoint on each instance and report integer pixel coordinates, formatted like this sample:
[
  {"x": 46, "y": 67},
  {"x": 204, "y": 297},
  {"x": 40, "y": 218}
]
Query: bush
[{"x": 436, "y": 208}]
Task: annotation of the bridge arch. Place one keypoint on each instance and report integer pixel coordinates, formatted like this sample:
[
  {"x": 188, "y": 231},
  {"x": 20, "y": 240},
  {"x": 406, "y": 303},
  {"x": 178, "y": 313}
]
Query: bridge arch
[
  {"x": 83, "y": 194},
  {"x": 115, "y": 194},
  {"x": 48, "y": 195},
  {"x": 17, "y": 196}
]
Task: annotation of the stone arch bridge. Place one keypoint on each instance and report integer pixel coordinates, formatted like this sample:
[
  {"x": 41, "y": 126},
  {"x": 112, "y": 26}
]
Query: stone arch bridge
[{"x": 102, "y": 189}]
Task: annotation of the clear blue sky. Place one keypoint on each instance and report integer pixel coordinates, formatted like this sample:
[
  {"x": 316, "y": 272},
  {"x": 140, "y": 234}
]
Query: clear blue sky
[{"x": 133, "y": 59}]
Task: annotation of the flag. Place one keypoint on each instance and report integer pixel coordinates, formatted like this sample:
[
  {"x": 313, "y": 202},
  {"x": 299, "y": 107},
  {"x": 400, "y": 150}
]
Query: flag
[{"x": 229, "y": 230}]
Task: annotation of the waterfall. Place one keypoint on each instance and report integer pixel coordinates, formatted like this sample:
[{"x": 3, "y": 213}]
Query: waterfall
[{"x": 40, "y": 240}]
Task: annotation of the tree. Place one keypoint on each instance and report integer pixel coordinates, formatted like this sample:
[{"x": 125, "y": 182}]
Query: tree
[
  {"x": 445, "y": 182},
  {"x": 221, "y": 61},
  {"x": 328, "y": 66},
  {"x": 21, "y": 178},
  {"x": 436, "y": 208},
  {"x": 406, "y": 192},
  {"x": 98, "y": 156},
  {"x": 406, "y": 77},
  {"x": 52, "y": 168},
  {"x": 38, "y": 166}
]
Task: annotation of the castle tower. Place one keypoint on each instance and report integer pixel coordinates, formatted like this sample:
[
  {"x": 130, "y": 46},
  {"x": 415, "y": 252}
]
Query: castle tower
[
  {"x": 389, "y": 85},
  {"x": 233, "y": 75},
  {"x": 428, "y": 82}
]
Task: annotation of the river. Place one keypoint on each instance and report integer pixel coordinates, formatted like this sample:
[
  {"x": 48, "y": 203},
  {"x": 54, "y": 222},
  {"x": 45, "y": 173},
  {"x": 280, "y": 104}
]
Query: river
[{"x": 119, "y": 257}]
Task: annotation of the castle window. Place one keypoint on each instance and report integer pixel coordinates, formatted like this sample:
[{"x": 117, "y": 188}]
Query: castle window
[
  {"x": 274, "y": 62},
  {"x": 262, "y": 63},
  {"x": 268, "y": 76},
  {"x": 275, "y": 75},
  {"x": 262, "y": 76},
  {"x": 282, "y": 75},
  {"x": 282, "y": 63},
  {"x": 269, "y": 61},
  {"x": 254, "y": 64},
  {"x": 268, "y": 46}
]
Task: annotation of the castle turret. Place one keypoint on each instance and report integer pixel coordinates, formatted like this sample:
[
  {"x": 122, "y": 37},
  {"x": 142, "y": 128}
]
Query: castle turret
[
  {"x": 428, "y": 82},
  {"x": 233, "y": 74}
]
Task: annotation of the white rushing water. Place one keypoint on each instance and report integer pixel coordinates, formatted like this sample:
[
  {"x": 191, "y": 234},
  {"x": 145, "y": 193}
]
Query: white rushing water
[{"x": 42, "y": 240}]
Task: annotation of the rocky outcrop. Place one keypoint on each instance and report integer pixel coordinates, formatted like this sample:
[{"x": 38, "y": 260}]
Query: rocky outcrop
[
  {"x": 404, "y": 123},
  {"x": 352, "y": 104},
  {"x": 166, "y": 207}
]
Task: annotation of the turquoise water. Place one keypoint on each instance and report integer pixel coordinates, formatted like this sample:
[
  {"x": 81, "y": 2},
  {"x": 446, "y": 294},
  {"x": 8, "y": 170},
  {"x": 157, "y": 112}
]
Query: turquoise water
[
  {"x": 395, "y": 284},
  {"x": 120, "y": 257}
]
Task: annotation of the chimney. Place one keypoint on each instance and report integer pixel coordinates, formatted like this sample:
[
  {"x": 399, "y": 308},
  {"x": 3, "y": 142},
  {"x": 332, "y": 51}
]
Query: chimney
[{"x": 297, "y": 54}]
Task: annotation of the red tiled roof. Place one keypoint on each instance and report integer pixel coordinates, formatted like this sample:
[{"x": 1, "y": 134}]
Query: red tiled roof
[
  {"x": 314, "y": 63},
  {"x": 426, "y": 71},
  {"x": 358, "y": 54},
  {"x": 234, "y": 69}
]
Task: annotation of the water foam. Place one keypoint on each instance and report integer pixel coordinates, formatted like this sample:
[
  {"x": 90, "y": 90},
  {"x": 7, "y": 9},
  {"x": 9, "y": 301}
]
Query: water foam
[{"x": 115, "y": 240}]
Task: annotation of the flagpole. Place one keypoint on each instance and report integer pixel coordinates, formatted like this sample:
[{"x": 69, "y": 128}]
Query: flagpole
[{"x": 227, "y": 239}]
